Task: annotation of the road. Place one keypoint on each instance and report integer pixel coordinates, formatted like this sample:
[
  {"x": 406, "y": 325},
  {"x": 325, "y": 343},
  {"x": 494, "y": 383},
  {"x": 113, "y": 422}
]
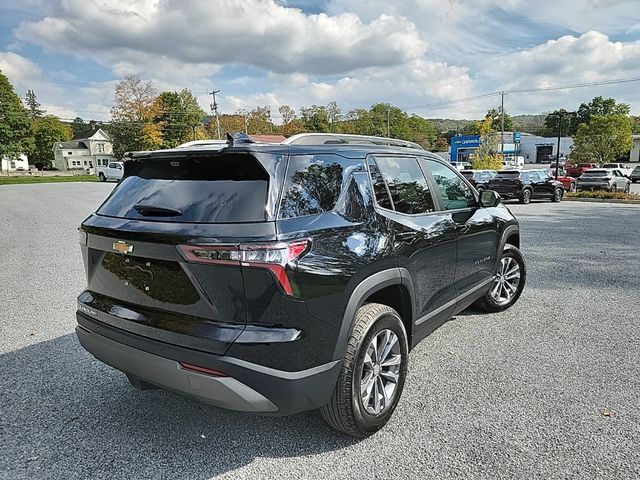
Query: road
[{"x": 548, "y": 389}]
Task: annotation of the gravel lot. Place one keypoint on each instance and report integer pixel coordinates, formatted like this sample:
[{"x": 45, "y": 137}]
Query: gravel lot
[{"x": 548, "y": 389}]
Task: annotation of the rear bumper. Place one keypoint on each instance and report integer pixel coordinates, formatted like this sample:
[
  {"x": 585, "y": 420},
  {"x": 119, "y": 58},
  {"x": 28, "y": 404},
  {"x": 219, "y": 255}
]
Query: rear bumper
[
  {"x": 593, "y": 186},
  {"x": 247, "y": 387}
]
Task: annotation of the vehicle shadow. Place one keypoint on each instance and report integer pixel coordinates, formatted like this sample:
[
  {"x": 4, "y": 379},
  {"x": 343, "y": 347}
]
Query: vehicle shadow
[{"x": 66, "y": 415}]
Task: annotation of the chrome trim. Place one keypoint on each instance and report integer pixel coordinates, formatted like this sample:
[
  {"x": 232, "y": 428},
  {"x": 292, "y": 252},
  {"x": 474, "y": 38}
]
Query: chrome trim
[{"x": 451, "y": 303}]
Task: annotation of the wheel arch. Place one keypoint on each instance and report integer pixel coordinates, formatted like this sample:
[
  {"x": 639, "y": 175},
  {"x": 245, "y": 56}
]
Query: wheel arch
[{"x": 392, "y": 287}]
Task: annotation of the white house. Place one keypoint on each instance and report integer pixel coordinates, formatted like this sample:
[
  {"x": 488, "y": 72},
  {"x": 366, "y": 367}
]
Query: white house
[
  {"x": 88, "y": 149},
  {"x": 14, "y": 164}
]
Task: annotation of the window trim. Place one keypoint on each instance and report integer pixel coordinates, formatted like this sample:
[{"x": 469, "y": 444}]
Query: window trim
[
  {"x": 375, "y": 200},
  {"x": 440, "y": 202}
]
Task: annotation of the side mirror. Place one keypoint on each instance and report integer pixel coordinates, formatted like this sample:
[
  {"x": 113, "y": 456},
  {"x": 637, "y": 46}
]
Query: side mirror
[{"x": 489, "y": 198}]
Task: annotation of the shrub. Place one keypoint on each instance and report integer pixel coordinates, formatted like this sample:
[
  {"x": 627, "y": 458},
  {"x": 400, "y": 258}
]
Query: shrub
[
  {"x": 488, "y": 162},
  {"x": 604, "y": 195}
]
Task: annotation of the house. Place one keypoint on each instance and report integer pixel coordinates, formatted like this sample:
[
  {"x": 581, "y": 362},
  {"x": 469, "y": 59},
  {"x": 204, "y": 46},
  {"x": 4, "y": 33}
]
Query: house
[
  {"x": 88, "y": 149},
  {"x": 14, "y": 164}
]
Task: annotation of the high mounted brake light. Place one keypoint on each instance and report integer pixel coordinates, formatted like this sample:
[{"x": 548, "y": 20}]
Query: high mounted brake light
[{"x": 273, "y": 257}]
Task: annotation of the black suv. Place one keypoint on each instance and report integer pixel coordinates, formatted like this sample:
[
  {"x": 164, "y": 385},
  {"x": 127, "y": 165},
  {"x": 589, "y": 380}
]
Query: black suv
[
  {"x": 283, "y": 278},
  {"x": 479, "y": 178},
  {"x": 526, "y": 185}
]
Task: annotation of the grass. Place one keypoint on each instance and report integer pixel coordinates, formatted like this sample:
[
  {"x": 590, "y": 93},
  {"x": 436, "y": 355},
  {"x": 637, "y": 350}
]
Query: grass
[
  {"x": 21, "y": 180},
  {"x": 604, "y": 195}
]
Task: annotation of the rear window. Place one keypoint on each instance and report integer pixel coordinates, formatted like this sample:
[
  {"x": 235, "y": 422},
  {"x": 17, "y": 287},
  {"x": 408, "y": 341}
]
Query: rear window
[
  {"x": 313, "y": 184},
  {"x": 507, "y": 174},
  {"x": 219, "y": 189},
  {"x": 595, "y": 173},
  {"x": 467, "y": 174}
]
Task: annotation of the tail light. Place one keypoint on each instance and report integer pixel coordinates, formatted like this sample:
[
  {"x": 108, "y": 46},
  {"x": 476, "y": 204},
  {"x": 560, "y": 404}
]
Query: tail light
[
  {"x": 199, "y": 369},
  {"x": 273, "y": 257}
]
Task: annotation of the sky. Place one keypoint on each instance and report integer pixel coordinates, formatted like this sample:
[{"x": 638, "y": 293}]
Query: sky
[{"x": 421, "y": 55}]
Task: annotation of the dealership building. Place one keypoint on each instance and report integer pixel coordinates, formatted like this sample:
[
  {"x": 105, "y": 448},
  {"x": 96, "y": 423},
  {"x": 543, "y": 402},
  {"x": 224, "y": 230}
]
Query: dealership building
[{"x": 531, "y": 147}]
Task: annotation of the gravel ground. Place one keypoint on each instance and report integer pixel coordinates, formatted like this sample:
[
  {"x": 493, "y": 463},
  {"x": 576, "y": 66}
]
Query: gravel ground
[{"x": 547, "y": 389}]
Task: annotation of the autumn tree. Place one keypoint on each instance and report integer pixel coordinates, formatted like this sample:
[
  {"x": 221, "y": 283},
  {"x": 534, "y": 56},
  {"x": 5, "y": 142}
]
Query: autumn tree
[
  {"x": 15, "y": 128},
  {"x": 47, "y": 131},
  {"x": 33, "y": 106},
  {"x": 606, "y": 138},
  {"x": 486, "y": 157},
  {"x": 132, "y": 116}
]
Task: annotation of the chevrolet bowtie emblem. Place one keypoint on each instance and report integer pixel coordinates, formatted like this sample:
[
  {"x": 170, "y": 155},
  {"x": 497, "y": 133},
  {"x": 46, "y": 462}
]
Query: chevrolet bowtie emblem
[{"x": 122, "y": 247}]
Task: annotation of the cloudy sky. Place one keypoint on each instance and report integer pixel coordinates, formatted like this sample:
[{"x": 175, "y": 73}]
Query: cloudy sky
[{"x": 417, "y": 54}]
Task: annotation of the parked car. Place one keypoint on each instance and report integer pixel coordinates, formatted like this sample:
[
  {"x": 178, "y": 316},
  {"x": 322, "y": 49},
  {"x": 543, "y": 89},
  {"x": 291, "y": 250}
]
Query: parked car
[
  {"x": 526, "y": 185},
  {"x": 625, "y": 169},
  {"x": 608, "y": 179},
  {"x": 281, "y": 278},
  {"x": 512, "y": 161},
  {"x": 568, "y": 183},
  {"x": 113, "y": 171},
  {"x": 551, "y": 159},
  {"x": 479, "y": 178},
  {"x": 635, "y": 174},
  {"x": 577, "y": 170}
]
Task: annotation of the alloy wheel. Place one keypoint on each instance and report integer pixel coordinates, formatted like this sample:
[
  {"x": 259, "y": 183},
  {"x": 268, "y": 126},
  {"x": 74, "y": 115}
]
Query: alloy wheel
[
  {"x": 506, "y": 281},
  {"x": 380, "y": 372}
]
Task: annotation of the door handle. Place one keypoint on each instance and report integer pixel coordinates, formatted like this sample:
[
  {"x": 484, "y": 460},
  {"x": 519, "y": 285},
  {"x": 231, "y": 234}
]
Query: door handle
[{"x": 462, "y": 228}]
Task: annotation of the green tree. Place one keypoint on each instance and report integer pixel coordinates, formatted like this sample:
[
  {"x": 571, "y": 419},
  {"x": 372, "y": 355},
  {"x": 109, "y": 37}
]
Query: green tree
[
  {"x": 496, "y": 120},
  {"x": 569, "y": 123},
  {"x": 605, "y": 138},
  {"x": 33, "y": 106},
  {"x": 315, "y": 119},
  {"x": 78, "y": 125},
  {"x": 15, "y": 128},
  {"x": 419, "y": 130},
  {"x": 47, "y": 131},
  {"x": 178, "y": 115},
  {"x": 259, "y": 121},
  {"x": 602, "y": 107}
]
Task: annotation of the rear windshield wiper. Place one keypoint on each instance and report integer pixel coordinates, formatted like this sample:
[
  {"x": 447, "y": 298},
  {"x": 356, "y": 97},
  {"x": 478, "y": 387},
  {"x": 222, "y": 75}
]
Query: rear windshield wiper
[{"x": 154, "y": 211}]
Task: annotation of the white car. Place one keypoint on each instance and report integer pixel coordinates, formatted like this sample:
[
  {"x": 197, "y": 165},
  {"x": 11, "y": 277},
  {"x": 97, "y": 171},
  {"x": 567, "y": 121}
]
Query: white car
[
  {"x": 113, "y": 171},
  {"x": 624, "y": 169}
]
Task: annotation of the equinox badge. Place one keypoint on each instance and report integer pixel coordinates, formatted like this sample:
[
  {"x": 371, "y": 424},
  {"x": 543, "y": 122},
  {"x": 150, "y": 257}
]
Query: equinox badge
[{"x": 122, "y": 247}]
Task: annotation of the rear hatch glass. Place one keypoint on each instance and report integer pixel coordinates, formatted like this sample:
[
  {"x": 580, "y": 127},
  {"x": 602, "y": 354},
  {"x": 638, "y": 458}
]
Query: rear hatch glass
[
  {"x": 506, "y": 175},
  {"x": 595, "y": 173},
  {"x": 207, "y": 189}
]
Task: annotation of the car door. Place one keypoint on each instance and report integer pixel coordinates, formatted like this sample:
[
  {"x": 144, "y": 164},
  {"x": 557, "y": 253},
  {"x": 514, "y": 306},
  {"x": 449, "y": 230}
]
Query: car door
[
  {"x": 424, "y": 237},
  {"x": 476, "y": 228},
  {"x": 619, "y": 180}
]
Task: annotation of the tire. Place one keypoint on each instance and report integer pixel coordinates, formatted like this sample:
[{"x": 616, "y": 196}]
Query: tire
[
  {"x": 102, "y": 177},
  {"x": 525, "y": 196},
  {"x": 614, "y": 188},
  {"x": 573, "y": 188},
  {"x": 627, "y": 189},
  {"x": 557, "y": 195},
  {"x": 489, "y": 303},
  {"x": 346, "y": 412}
]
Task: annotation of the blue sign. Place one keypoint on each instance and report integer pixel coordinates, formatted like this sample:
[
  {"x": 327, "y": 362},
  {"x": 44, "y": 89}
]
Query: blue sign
[
  {"x": 516, "y": 137},
  {"x": 463, "y": 143}
]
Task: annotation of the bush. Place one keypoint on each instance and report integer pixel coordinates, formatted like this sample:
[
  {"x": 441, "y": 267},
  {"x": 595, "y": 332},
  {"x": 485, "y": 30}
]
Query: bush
[
  {"x": 489, "y": 162},
  {"x": 604, "y": 195}
]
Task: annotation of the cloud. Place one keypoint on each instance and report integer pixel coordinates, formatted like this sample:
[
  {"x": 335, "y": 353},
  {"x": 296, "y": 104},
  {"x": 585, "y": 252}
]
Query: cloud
[
  {"x": 259, "y": 33},
  {"x": 18, "y": 68}
]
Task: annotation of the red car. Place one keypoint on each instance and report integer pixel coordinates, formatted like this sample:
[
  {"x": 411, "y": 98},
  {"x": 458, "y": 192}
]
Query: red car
[
  {"x": 577, "y": 170},
  {"x": 568, "y": 182}
]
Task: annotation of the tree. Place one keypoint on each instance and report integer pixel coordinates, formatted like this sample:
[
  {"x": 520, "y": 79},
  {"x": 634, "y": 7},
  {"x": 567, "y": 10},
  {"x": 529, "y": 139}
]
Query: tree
[
  {"x": 496, "y": 120},
  {"x": 569, "y": 123},
  {"x": 15, "y": 128},
  {"x": 602, "y": 107},
  {"x": 259, "y": 121},
  {"x": 315, "y": 118},
  {"x": 486, "y": 157},
  {"x": 47, "y": 131},
  {"x": 605, "y": 138},
  {"x": 177, "y": 115},
  {"x": 33, "y": 106},
  {"x": 132, "y": 116},
  {"x": 78, "y": 126},
  {"x": 421, "y": 131},
  {"x": 287, "y": 113}
]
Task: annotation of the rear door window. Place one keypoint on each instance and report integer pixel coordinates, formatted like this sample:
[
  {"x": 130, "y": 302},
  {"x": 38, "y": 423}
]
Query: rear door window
[
  {"x": 406, "y": 184},
  {"x": 313, "y": 184},
  {"x": 209, "y": 189}
]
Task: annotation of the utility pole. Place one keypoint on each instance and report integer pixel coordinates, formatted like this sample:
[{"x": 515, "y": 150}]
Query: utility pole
[
  {"x": 214, "y": 109},
  {"x": 502, "y": 122},
  {"x": 246, "y": 122}
]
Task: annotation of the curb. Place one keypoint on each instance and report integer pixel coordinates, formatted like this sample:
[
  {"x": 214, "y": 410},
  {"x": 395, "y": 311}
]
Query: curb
[{"x": 600, "y": 200}]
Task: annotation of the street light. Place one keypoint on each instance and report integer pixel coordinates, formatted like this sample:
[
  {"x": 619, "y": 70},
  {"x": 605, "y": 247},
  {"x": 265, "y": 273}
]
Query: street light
[{"x": 560, "y": 114}]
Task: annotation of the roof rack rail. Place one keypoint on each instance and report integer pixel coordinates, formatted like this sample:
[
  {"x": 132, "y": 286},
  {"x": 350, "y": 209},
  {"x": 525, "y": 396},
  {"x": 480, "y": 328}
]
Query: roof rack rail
[{"x": 342, "y": 138}]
